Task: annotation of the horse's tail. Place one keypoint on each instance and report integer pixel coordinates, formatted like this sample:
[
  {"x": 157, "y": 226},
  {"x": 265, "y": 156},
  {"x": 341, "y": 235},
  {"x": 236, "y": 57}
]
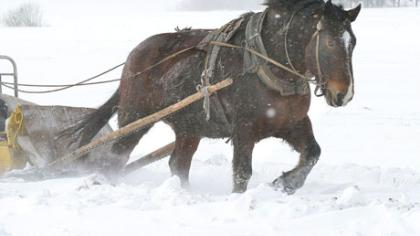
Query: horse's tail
[{"x": 89, "y": 126}]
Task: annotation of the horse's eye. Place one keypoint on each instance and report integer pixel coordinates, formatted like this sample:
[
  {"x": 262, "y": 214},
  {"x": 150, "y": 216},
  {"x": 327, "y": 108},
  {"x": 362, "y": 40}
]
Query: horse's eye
[{"x": 330, "y": 43}]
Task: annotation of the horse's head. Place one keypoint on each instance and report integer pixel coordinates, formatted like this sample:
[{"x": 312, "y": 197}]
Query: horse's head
[{"x": 329, "y": 53}]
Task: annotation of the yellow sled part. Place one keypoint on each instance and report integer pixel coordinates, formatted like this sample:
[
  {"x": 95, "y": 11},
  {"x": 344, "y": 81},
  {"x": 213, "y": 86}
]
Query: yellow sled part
[
  {"x": 8, "y": 143},
  {"x": 14, "y": 126},
  {"x": 6, "y": 162}
]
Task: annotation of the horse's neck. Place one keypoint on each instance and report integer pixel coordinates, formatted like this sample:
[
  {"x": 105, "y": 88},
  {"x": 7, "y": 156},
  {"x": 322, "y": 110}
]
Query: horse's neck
[{"x": 273, "y": 35}]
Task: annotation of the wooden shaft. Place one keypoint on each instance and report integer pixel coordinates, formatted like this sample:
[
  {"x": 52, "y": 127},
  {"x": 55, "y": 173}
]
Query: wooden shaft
[
  {"x": 150, "y": 158},
  {"x": 136, "y": 125}
]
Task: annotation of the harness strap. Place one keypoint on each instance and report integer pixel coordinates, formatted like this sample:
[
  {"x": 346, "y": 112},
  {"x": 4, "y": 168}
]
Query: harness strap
[
  {"x": 223, "y": 34},
  {"x": 320, "y": 86},
  {"x": 256, "y": 58},
  {"x": 264, "y": 57}
]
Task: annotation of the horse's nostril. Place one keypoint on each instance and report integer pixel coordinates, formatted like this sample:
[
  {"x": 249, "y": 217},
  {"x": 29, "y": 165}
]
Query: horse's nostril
[{"x": 340, "y": 97}]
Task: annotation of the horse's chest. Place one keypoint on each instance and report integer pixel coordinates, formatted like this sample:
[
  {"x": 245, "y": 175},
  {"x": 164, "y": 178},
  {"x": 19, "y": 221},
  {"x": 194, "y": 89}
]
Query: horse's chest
[{"x": 277, "y": 112}]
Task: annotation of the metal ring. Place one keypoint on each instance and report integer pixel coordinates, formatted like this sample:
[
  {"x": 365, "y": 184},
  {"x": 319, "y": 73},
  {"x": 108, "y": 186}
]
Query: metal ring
[{"x": 319, "y": 88}]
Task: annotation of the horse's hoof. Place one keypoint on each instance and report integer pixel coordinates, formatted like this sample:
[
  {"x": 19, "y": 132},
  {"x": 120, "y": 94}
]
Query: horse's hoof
[
  {"x": 283, "y": 185},
  {"x": 289, "y": 190},
  {"x": 239, "y": 189}
]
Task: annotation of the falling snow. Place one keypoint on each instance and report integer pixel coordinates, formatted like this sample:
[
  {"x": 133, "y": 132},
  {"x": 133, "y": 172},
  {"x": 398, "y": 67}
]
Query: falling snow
[{"x": 367, "y": 181}]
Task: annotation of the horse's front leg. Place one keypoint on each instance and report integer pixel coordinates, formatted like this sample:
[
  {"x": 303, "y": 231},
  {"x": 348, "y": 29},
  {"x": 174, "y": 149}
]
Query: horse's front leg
[
  {"x": 302, "y": 139},
  {"x": 243, "y": 145}
]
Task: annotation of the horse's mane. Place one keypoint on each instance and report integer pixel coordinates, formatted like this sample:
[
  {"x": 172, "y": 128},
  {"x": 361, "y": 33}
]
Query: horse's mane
[
  {"x": 280, "y": 2},
  {"x": 290, "y": 2}
]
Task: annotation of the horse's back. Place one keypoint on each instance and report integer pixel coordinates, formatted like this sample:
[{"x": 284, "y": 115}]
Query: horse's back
[
  {"x": 148, "y": 92},
  {"x": 157, "y": 47}
]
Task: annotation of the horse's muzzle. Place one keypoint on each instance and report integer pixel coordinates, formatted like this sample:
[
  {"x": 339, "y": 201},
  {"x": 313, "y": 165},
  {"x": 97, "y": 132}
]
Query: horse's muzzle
[{"x": 339, "y": 99}]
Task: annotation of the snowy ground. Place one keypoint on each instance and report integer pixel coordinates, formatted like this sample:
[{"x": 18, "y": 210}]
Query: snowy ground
[{"x": 367, "y": 182}]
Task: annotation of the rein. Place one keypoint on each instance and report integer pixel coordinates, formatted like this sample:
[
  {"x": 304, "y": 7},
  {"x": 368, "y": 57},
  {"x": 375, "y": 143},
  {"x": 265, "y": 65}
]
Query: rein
[
  {"x": 320, "y": 85},
  {"x": 260, "y": 55}
]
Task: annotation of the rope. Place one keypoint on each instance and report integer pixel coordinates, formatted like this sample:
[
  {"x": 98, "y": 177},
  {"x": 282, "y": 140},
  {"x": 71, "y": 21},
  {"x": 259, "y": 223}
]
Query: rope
[
  {"x": 268, "y": 59},
  {"x": 64, "y": 87},
  {"x": 286, "y": 49},
  {"x": 135, "y": 76},
  {"x": 85, "y": 82},
  {"x": 61, "y": 85},
  {"x": 205, "y": 83},
  {"x": 286, "y": 35}
]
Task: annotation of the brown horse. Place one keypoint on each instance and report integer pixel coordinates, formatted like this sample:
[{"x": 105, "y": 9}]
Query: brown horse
[{"x": 319, "y": 41}]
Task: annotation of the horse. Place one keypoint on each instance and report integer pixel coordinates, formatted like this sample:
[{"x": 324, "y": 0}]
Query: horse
[{"x": 313, "y": 37}]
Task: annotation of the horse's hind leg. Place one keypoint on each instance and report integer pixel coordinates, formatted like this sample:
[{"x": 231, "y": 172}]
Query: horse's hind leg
[
  {"x": 302, "y": 139},
  {"x": 123, "y": 147},
  {"x": 181, "y": 157}
]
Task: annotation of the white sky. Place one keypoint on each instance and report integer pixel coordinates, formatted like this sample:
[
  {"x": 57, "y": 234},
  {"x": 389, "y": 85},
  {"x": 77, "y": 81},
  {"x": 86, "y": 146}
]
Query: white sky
[{"x": 95, "y": 5}]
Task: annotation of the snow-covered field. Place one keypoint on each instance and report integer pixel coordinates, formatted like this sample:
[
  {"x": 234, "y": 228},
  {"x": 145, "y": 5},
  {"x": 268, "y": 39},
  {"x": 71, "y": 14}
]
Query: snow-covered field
[{"x": 366, "y": 183}]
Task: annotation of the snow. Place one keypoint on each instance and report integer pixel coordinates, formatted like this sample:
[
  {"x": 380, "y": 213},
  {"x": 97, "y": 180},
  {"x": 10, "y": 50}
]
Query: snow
[{"x": 366, "y": 183}]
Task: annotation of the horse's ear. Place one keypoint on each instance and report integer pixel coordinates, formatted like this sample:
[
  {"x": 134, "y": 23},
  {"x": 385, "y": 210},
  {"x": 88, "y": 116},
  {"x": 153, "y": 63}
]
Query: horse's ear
[
  {"x": 353, "y": 13},
  {"x": 324, "y": 7},
  {"x": 328, "y": 5}
]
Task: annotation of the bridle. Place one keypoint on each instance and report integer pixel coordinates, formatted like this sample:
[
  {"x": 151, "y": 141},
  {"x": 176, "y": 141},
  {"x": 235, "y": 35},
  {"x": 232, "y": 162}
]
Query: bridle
[{"x": 319, "y": 83}]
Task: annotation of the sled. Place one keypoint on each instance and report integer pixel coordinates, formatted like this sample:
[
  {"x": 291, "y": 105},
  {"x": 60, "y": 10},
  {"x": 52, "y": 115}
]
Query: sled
[{"x": 32, "y": 132}]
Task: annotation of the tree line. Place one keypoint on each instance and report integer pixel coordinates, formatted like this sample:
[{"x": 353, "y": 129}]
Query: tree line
[{"x": 380, "y": 3}]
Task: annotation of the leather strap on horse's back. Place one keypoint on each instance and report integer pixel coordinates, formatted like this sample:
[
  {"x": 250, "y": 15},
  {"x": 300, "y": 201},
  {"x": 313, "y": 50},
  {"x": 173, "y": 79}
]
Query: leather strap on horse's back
[
  {"x": 223, "y": 35},
  {"x": 254, "y": 41}
]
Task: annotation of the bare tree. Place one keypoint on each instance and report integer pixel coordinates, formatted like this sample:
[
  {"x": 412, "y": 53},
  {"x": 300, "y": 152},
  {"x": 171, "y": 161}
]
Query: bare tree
[{"x": 28, "y": 14}]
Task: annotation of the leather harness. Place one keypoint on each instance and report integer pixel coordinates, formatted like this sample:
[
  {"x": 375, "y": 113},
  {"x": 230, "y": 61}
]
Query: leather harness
[
  {"x": 256, "y": 58},
  {"x": 255, "y": 64}
]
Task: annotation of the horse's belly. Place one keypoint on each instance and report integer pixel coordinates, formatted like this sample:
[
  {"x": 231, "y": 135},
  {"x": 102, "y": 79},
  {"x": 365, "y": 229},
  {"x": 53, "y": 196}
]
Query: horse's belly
[{"x": 192, "y": 120}]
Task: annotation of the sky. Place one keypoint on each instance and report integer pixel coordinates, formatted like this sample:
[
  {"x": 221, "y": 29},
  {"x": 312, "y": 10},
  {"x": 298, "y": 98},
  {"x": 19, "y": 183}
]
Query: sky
[
  {"x": 134, "y": 5},
  {"x": 94, "y": 6}
]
